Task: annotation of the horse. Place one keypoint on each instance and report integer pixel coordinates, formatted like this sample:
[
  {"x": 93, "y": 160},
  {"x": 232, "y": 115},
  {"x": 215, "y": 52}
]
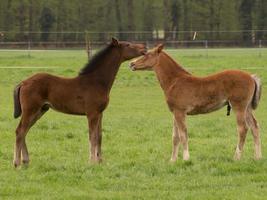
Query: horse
[
  {"x": 86, "y": 94},
  {"x": 187, "y": 94}
]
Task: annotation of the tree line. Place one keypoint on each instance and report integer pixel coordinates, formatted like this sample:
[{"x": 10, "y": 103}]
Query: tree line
[{"x": 68, "y": 20}]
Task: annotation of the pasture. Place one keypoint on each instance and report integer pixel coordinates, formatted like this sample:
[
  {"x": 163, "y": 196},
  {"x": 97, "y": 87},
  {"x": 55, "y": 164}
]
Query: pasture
[{"x": 137, "y": 133}]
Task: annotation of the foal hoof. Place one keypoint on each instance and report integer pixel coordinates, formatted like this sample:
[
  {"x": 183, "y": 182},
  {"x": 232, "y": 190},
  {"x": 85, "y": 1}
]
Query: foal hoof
[
  {"x": 186, "y": 157},
  {"x": 16, "y": 163},
  {"x": 96, "y": 161},
  {"x": 258, "y": 157},
  {"x": 25, "y": 162},
  {"x": 237, "y": 156}
]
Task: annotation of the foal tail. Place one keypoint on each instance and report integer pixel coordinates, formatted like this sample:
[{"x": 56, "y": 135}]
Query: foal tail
[
  {"x": 257, "y": 92},
  {"x": 17, "y": 106}
]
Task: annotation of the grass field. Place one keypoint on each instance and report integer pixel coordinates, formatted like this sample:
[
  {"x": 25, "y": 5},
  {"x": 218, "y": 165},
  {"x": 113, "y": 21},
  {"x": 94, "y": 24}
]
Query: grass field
[{"x": 136, "y": 137}]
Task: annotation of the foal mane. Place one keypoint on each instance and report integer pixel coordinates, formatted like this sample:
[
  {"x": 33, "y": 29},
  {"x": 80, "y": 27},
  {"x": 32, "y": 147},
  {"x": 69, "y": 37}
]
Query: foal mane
[
  {"x": 96, "y": 60},
  {"x": 177, "y": 64}
]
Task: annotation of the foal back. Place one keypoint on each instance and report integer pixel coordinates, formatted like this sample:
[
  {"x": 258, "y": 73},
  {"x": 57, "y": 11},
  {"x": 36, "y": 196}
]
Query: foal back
[
  {"x": 67, "y": 95},
  {"x": 199, "y": 95}
]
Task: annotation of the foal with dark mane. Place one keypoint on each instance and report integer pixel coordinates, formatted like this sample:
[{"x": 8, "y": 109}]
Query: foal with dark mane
[
  {"x": 190, "y": 95},
  {"x": 87, "y": 94}
]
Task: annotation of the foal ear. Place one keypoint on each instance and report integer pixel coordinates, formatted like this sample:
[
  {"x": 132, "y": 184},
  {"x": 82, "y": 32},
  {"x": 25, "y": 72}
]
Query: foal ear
[
  {"x": 114, "y": 42},
  {"x": 160, "y": 47}
]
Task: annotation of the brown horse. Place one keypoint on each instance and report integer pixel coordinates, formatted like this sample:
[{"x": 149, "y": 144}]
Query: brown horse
[
  {"x": 86, "y": 94},
  {"x": 190, "y": 95}
]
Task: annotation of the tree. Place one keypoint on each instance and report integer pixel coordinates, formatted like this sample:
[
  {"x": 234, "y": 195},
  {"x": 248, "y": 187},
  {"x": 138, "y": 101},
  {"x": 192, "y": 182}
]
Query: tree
[
  {"x": 175, "y": 18},
  {"x": 211, "y": 16},
  {"x": 246, "y": 8},
  {"x": 130, "y": 11},
  {"x": 167, "y": 20},
  {"x": 262, "y": 18},
  {"x": 46, "y": 22},
  {"x": 186, "y": 19},
  {"x": 8, "y": 17},
  {"x": 118, "y": 19},
  {"x": 30, "y": 27},
  {"x": 21, "y": 19}
]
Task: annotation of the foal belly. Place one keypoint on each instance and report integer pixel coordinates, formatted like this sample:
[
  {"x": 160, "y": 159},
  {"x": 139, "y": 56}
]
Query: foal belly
[
  {"x": 206, "y": 108},
  {"x": 67, "y": 109}
]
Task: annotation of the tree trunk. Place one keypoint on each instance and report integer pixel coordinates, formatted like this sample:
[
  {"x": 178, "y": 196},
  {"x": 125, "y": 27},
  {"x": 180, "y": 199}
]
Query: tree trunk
[
  {"x": 187, "y": 19},
  {"x": 262, "y": 19},
  {"x": 8, "y": 20},
  {"x": 148, "y": 20},
  {"x": 175, "y": 17},
  {"x": 118, "y": 19},
  {"x": 59, "y": 20},
  {"x": 21, "y": 11},
  {"x": 211, "y": 19},
  {"x": 131, "y": 26},
  {"x": 30, "y": 28},
  {"x": 167, "y": 20},
  {"x": 246, "y": 21}
]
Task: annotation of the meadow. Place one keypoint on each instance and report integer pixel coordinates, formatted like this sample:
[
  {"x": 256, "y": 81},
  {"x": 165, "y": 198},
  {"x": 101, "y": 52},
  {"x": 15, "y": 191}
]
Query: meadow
[{"x": 137, "y": 133}]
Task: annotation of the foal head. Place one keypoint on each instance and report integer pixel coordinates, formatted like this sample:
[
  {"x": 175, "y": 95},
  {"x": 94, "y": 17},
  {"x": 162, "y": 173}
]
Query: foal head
[
  {"x": 148, "y": 61},
  {"x": 124, "y": 50},
  {"x": 129, "y": 50}
]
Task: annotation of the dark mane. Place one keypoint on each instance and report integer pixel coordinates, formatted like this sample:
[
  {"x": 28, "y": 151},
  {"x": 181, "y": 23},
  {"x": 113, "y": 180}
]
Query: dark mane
[{"x": 96, "y": 60}]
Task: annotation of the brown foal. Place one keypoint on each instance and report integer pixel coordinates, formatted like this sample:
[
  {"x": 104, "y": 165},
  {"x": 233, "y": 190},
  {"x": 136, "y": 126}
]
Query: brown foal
[
  {"x": 190, "y": 95},
  {"x": 86, "y": 94}
]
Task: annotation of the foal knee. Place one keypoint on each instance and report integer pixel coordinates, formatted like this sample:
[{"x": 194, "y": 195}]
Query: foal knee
[
  {"x": 175, "y": 139},
  {"x": 19, "y": 139},
  {"x": 183, "y": 138},
  {"x": 242, "y": 128}
]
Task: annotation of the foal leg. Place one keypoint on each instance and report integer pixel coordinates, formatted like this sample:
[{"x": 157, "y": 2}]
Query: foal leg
[
  {"x": 24, "y": 152},
  {"x": 252, "y": 122},
  {"x": 20, "y": 146},
  {"x": 182, "y": 130},
  {"x": 242, "y": 132},
  {"x": 99, "y": 138},
  {"x": 27, "y": 120},
  {"x": 95, "y": 137},
  {"x": 175, "y": 142}
]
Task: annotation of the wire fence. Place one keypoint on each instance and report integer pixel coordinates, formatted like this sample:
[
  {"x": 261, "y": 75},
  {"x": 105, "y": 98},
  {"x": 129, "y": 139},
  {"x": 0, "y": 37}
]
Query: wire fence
[{"x": 89, "y": 41}]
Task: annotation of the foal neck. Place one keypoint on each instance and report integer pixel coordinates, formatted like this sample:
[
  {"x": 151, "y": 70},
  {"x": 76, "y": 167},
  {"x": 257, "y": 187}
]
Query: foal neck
[
  {"x": 108, "y": 71},
  {"x": 105, "y": 69},
  {"x": 168, "y": 70}
]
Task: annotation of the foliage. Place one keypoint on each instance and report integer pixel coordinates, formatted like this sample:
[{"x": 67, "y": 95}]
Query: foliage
[{"x": 23, "y": 16}]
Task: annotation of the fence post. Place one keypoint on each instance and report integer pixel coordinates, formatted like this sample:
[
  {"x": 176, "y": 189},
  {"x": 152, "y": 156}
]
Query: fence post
[
  {"x": 87, "y": 45},
  {"x": 206, "y": 47},
  {"x": 29, "y": 48},
  {"x": 260, "y": 45}
]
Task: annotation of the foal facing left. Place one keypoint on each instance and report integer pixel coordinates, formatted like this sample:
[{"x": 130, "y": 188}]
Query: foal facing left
[
  {"x": 187, "y": 94},
  {"x": 87, "y": 94}
]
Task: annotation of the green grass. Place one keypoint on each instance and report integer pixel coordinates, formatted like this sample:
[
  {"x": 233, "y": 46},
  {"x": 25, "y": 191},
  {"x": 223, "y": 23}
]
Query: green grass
[{"x": 136, "y": 137}]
